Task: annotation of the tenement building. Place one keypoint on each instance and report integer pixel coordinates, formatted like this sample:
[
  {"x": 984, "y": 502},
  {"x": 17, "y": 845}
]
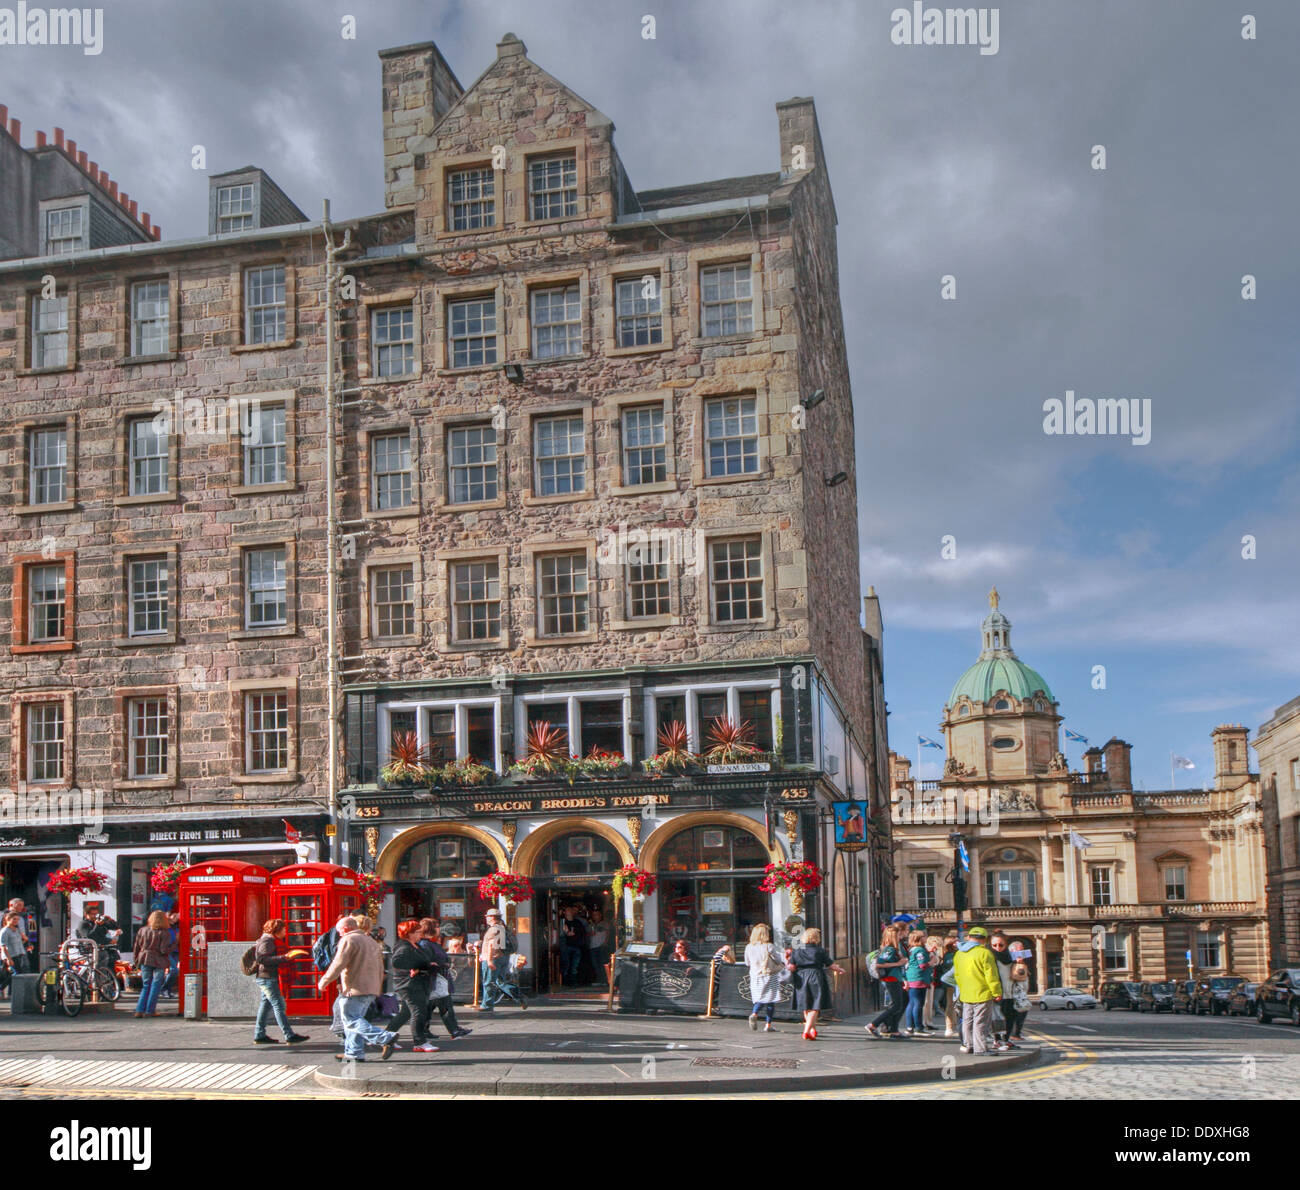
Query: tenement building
[
  {"x": 1101, "y": 880},
  {"x": 1277, "y": 743},
  {"x": 598, "y": 576}
]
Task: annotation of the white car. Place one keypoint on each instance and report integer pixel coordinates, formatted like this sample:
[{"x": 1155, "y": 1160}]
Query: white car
[{"x": 1066, "y": 998}]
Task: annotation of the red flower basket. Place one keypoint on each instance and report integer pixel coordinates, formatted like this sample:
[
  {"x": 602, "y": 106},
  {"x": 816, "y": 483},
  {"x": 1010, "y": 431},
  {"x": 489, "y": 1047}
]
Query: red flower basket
[
  {"x": 641, "y": 882},
  {"x": 371, "y": 886},
  {"x": 513, "y": 887},
  {"x": 165, "y": 878},
  {"x": 800, "y": 875},
  {"x": 76, "y": 880}
]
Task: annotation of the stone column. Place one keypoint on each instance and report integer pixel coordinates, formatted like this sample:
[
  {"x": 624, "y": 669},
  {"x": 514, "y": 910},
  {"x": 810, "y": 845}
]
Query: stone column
[{"x": 1040, "y": 961}]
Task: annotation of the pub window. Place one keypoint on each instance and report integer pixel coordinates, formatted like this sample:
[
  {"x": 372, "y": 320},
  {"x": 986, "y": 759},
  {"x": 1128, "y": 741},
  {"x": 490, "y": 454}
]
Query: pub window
[
  {"x": 925, "y": 898},
  {"x": 704, "y": 899},
  {"x": 150, "y": 317},
  {"x": 45, "y": 738},
  {"x": 451, "y": 731},
  {"x": 669, "y": 708},
  {"x": 265, "y": 305},
  {"x": 577, "y": 855},
  {"x": 552, "y": 187},
  {"x": 47, "y": 454},
  {"x": 699, "y": 708},
  {"x": 756, "y": 709},
  {"x": 481, "y": 735},
  {"x": 556, "y": 714},
  {"x": 472, "y": 464},
  {"x": 266, "y": 451},
  {"x": 149, "y": 724},
  {"x": 601, "y": 724},
  {"x": 471, "y": 199},
  {"x": 439, "y": 877},
  {"x": 442, "y": 735},
  {"x": 148, "y": 462}
]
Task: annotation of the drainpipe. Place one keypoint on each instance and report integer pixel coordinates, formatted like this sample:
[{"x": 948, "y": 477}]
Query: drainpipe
[{"x": 332, "y": 273}]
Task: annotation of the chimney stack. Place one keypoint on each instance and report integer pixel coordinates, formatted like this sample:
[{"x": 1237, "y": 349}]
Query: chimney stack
[
  {"x": 144, "y": 220},
  {"x": 418, "y": 89},
  {"x": 4, "y": 116},
  {"x": 1231, "y": 755},
  {"x": 16, "y": 129},
  {"x": 1092, "y": 760},
  {"x": 58, "y": 138},
  {"x": 1118, "y": 763},
  {"x": 40, "y": 139}
]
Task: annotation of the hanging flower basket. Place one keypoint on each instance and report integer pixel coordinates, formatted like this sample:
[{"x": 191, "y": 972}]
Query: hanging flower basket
[
  {"x": 641, "y": 882},
  {"x": 165, "y": 878},
  {"x": 513, "y": 887},
  {"x": 371, "y": 886},
  {"x": 76, "y": 880},
  {"x": 799, "y": 876}
]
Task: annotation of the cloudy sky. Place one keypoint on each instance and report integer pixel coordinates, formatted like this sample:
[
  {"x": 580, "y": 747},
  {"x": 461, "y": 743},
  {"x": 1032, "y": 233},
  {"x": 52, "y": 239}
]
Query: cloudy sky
[{"x": 1123, "y": 283}]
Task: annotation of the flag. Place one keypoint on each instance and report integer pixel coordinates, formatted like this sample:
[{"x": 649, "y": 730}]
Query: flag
[
  {"x": 926, "y": 742},
  {"x": 1075, "y": 736},
  {"x": 964, "y": 854},
  {"x": 1079, "y": 841},
  {"x": 291, "y": 833},
  {"x": 1183, "y": 763}
]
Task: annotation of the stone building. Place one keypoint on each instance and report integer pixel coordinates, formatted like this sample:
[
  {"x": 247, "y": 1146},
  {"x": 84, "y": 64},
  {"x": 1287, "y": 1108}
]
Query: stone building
[
  {"x": 1057, "y": 855},
  {"x": 596, "y": 471},
  {"x": 1277, "y": 743}
]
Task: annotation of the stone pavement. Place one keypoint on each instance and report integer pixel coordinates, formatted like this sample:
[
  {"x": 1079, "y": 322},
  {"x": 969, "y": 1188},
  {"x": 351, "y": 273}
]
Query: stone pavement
[{"x": 550, "y": 1050}]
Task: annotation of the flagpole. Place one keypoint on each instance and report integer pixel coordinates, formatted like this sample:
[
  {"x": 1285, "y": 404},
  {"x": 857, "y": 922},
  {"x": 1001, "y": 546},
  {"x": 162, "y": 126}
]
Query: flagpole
[{"x": 1172, "y": 783}]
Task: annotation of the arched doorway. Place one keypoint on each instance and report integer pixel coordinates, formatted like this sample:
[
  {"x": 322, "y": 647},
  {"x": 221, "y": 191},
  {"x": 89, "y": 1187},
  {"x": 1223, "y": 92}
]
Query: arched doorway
[
  {"x": 571, "y": 866},
  {"x": 435, "y": 872},
  {"x": 709, "y": 866}
]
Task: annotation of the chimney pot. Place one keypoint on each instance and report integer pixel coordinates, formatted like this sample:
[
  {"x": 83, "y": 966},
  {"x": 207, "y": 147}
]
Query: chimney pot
[
  {"x": 4, "y": 116},
  {"x": 58, "y": 136},
  {"x": 144, "y": 220},
  {"x": 133, "y": 207},
  {"x": 16, "y": 130},
  {"x": 82, "y": 160},
  {"x": 112, "y": 188},
  {"x": 122, "y": 199},
  {"x": 157, "y": 232},
  {"x": 40, "y": 140}
]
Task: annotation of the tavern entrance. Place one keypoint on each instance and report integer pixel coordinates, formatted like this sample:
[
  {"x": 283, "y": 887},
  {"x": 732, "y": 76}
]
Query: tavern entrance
[{"x": 575, "y": 872}]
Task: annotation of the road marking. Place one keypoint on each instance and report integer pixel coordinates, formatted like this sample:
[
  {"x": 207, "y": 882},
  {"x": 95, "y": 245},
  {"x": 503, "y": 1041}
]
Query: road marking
[
  {"x": 1081, "y": 1028},
  {"x": 177, "y": 1076}
]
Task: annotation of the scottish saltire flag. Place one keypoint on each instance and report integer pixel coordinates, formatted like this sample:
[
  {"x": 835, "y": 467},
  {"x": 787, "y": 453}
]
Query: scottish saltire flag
[
  {"x": 1183, "y": 763},
  {"x": 1074, "y": 735},
  {"x": 965, "y": 855},
  {"x": 1079, "y": 841},
  {"x": 926, "y": 742}
]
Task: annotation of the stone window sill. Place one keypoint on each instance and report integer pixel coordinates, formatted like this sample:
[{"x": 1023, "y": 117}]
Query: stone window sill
[
  {"x": 34, "y": 509},
  {"x": 152, "y": 498}
]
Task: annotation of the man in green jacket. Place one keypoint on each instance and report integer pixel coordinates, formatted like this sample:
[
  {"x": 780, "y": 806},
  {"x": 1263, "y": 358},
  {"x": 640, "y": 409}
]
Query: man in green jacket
[{"x": 980, "y": 987}]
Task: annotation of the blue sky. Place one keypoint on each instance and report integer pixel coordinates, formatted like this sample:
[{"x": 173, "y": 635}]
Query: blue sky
[{"x": 1121, "y": 283}]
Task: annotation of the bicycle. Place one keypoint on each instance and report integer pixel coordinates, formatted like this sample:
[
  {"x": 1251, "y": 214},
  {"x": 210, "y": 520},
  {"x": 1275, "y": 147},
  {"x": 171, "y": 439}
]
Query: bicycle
[
  {"x": 97, "y": 979},
  {"x": 63, "y": 984}
]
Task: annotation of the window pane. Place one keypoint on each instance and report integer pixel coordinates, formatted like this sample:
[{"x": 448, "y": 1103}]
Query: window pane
[
  {"x": 267, "y": 726},
  {"x": 472, "y": 461},
  {"x": 638, "y": 312},
  {"x": 267, "y": 588},
  {"x": 50, "y": 332},
  {"x": 472, "y": 332},
  {"x": 266, "y": 457},
  {"x": 557, "y": 322},
  {"x": 726, "y": 300},
  {"x": 731, "y": 436},
  {"x": 561, "y": 456},
  {"x": 553, "y": 187},
  {"x": 148, "y": 732},
  {"x": 148, "y": 597},
  {"x": 562, "y": 585},
  {"x": 148, "y": 457},
  {"x": 645, "y": 457},
  {"x": 737, "y": 578},
  {"x": 756, "y": 709},
  {"x": 602, "y": 724},
  {"x": 394, "y": 601},
  {"x": 476, "y": 601},
  {"x": 48, "y": 460},
  {"x": 264, "y": 305},
  {"x": 392, "y": 334},
  {"x": 47, "y": 603},
  {"x": 480, "y": 735},
  {"x": 471, "y": 199},
  {"x": 391, "y": 463},
  {"x": 45, "y": 741}
]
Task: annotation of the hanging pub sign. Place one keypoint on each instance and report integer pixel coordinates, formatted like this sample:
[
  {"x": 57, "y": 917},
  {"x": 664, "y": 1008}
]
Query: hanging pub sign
[{"x": 850, "y": 825}]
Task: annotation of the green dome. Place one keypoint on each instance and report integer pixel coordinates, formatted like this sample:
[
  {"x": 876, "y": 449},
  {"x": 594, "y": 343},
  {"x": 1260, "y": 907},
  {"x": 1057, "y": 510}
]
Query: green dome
[{"x": 989, "y": 675}]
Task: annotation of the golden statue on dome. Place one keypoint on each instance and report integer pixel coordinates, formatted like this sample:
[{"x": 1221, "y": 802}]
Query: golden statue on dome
[{"x": 993, "y": 599}]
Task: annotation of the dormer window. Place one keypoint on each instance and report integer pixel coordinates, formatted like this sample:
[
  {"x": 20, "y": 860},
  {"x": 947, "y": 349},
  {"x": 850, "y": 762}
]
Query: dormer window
[
  {"x": 64, "y": 231},
  {"x": 1002, "y": 705},
  {"x": 234, "y": 208}
]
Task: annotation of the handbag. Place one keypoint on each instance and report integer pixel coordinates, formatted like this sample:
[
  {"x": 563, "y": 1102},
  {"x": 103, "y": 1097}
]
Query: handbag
[
  {"x": 771, "y": 962},
  {"x": 441, "y": 989},
  {"x": 384, "y": 1005}
]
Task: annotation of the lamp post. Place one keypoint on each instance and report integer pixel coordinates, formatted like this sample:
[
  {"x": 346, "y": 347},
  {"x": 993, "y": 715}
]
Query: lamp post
[{"x": 960, "y": 883}]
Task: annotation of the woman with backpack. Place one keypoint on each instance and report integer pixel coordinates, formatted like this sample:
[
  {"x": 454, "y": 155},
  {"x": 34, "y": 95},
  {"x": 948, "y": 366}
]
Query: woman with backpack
[
  {"x": 916, "y": 975},
  {"x": 267, "y": 972},
  {"x": 765, "y": 970},
  {"x": 889, "y": 963}
]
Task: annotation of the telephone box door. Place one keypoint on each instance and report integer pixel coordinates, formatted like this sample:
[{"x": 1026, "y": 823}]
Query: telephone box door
[{"x": 310, "y": 898}]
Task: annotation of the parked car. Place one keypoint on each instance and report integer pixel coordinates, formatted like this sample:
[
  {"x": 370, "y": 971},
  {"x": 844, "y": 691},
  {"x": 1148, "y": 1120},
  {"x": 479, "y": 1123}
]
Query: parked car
[
  {"x": 1066, "y": 998},
  {"x": 1122, "y": 993},
  {"x": 1183, "y": 990},
  {"x": 1279, "y": 995},
  {"x": 1162, "y": 995},
  {"x": 1242, "y": 1001},
  {"x": 1211, "y": 995}
]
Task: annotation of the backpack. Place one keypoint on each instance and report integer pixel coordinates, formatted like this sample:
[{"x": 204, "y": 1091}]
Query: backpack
[
  {"x": 322, "y": 951},
  {"x": 248, "y": 960},
  {"x": 873, "y": 972}
]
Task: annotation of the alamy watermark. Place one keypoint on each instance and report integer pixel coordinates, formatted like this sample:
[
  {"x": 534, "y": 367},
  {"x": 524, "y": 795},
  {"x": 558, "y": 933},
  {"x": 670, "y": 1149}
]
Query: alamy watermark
[
  {"x": 939, "y": 807},
  {"x": 53, "y": 26},
  {"x": 919, "y": 25},
  {"x": 1123, "y": 416},
  {"x": 52, "y": 807},
  {"x": 656, "y": 546},
  {"x": 209, "y": 417}
]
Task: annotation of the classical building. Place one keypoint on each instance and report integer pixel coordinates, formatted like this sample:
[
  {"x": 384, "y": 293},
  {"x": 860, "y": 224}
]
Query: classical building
[
  {"x": 1278, "y": 745},
  {"x": 1102, "y": 880},
  {"x": 595, "y": 470}
]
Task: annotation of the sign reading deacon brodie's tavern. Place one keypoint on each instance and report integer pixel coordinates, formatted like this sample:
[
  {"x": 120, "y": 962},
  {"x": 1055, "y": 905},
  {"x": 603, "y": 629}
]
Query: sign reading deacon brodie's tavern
[{"x": 631, "y": 801}]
